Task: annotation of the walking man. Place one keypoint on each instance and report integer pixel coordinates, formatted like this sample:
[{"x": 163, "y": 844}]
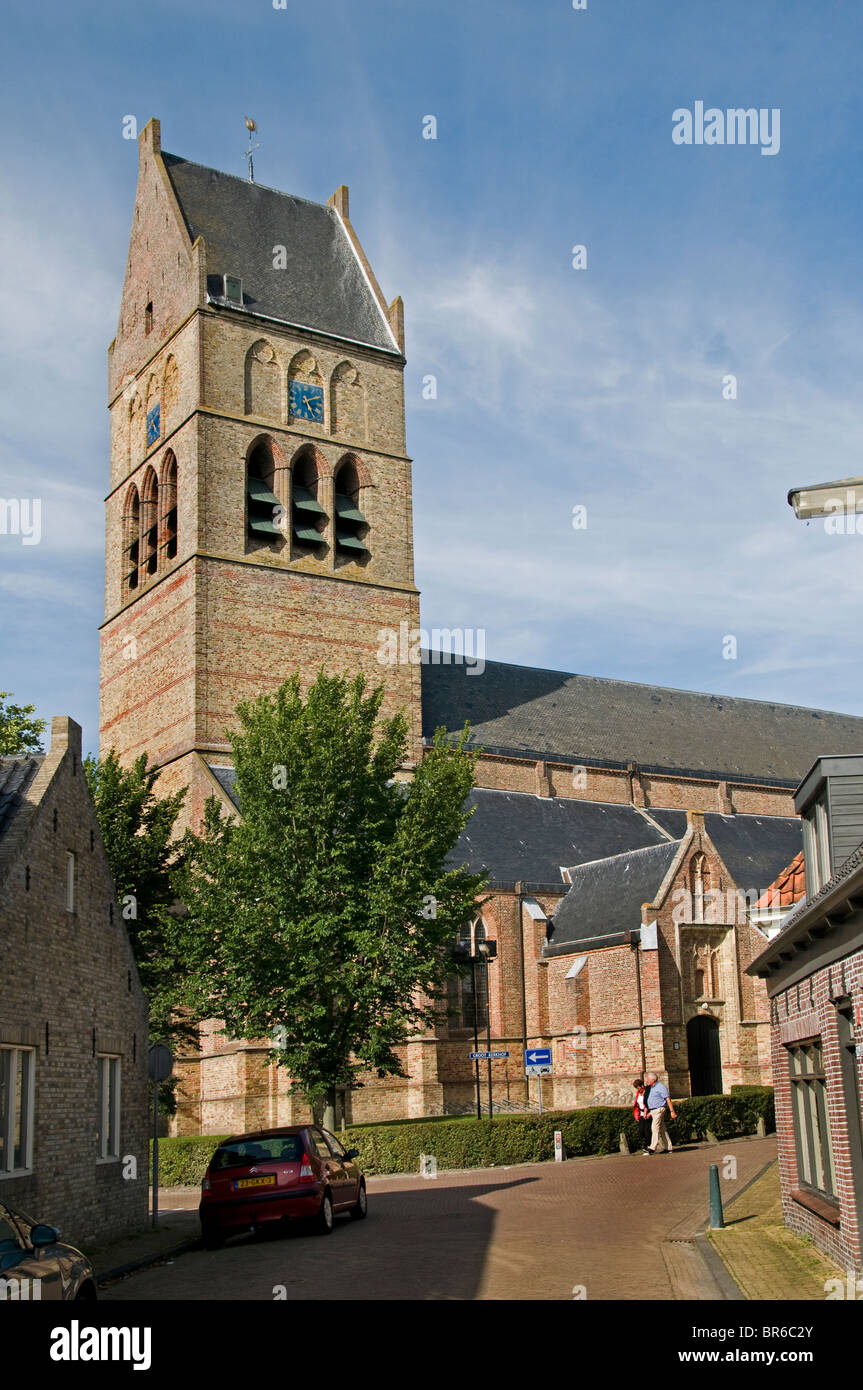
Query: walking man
[{"x": 659, "y": 1104}]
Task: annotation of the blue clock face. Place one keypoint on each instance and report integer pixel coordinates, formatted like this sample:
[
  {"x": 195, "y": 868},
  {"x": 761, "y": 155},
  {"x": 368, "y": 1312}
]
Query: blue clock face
[
  {"x": 306, "y": 402},
  {"x": 153, "y": 426}
]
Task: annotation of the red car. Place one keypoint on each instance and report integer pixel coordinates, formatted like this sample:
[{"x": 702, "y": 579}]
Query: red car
[{"x": 300, "y": 1172}]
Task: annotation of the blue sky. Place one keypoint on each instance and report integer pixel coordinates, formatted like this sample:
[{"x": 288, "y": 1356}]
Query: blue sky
[{"x": 557, "y": 387}]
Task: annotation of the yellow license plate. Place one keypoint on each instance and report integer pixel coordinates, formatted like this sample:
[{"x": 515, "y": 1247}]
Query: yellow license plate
[{"x": 268, "y": 1181}]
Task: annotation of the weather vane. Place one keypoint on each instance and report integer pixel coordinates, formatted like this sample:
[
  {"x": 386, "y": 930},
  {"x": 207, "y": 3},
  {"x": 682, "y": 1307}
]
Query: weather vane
[{"x": 251, "y": 127}]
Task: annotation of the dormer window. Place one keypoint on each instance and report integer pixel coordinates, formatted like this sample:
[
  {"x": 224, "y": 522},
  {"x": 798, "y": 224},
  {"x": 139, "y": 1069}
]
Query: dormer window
[
  {"x": 234, "y": 289},
  {"x": 830, "y": 801},
  {"x": 816, "y": 846}
]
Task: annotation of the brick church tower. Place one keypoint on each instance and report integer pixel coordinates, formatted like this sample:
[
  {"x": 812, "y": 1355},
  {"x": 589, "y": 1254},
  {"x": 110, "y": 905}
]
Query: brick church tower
[{"x": 259, "y": 515}]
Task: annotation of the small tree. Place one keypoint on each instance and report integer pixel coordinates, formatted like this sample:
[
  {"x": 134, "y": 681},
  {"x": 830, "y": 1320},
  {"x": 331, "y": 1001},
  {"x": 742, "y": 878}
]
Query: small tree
[
  {"x": 137, "y": 828},
  {"x": 320, "y": 918},
  {"x": 19, "y": 731}
]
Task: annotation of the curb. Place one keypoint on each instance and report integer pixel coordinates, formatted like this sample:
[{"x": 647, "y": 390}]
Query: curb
[{"x": 133, "y": 1265}]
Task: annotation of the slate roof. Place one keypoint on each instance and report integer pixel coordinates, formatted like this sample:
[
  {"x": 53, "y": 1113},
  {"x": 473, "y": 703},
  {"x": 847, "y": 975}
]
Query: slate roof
[
  {"x": 754, "y": 848},
  {"x": 16, "y": 774},
  {"x": 606, "y": 896},
  {"x": 523, "y": 710},
  {"x": 226, "y": 778},
  {"x": 514, "y": 835},
  {"x": 323, "y": 285}
]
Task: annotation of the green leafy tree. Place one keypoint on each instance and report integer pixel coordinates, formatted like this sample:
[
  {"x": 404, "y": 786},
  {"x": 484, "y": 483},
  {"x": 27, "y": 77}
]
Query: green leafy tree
[
  {"x": 19, "y": 731},
  {"x": 137, "y": 827},
  {"x": 320, "y": 918}
]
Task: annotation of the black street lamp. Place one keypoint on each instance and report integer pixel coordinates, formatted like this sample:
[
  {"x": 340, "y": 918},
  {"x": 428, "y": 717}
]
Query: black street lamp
[{"x": 485, "y": 951}]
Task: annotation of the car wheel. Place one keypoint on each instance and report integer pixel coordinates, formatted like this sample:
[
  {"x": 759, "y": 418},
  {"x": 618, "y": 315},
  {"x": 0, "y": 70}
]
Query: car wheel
[
  {"x": 360, "y": 1208},
  {"x": 87, "y": 1292},
  {"x": 324, "y": 1223},
  {"x": 212, "y": 1240}
]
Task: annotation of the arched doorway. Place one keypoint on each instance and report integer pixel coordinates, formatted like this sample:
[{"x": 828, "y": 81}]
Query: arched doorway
[{"x": 705, "y": 1061}]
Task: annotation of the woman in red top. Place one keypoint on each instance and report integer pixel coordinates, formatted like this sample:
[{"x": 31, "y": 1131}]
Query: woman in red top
[{"x": 641, "y": 1114}]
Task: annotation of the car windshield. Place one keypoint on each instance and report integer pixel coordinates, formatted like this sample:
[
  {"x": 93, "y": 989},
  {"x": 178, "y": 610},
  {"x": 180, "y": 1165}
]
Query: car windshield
[{"x": 280, "y": 1148}]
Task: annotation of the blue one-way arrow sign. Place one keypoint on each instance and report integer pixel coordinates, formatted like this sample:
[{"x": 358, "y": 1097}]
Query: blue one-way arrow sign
[{"x": 538, "y": 1057}]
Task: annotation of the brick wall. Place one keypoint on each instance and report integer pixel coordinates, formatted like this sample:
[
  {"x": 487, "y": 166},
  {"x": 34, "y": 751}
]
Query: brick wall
[
  {"x": 806, "y": 1010},
  {"x": 71, "y": 990}
]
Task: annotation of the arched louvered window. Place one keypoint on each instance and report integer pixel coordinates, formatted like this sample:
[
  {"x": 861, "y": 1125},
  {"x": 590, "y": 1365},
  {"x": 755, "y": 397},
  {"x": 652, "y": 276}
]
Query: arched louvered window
[
  {"x": 308, "y": 518},
  {"x": 351, "y": 525},
  {"x": 131, "y": 532},
  {"x": 262, "y": 504},
  {"x": 150, "y": 523},
  {"x": 168, "y": 509}
]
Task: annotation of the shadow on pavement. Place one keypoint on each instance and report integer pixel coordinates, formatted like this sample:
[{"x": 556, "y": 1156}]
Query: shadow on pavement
[{"x": 421, "y": 1243}]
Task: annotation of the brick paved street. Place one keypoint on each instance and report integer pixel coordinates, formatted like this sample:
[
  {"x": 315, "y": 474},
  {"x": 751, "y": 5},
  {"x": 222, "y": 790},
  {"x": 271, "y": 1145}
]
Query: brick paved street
[{"x": 531, "y": 1232}]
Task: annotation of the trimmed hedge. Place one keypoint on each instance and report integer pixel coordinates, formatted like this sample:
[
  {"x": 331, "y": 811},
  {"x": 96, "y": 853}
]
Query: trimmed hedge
[{"x": 509, "y": 1139}]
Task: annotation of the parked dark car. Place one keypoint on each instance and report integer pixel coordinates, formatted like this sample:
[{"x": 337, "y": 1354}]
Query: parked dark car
[
  {"x": 301, "y": 1172},
  {"x": 34, "y": 1264}
]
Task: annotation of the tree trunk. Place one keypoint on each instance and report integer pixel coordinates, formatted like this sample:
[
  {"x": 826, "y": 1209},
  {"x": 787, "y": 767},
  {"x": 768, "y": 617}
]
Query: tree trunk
[{"x": 330, "y": 1109}]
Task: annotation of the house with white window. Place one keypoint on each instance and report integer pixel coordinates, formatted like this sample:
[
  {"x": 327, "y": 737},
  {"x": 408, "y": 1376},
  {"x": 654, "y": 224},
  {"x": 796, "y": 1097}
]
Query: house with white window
[
  {"x": 73, "y": 1017},
  {"x": 813, "y": 968}
]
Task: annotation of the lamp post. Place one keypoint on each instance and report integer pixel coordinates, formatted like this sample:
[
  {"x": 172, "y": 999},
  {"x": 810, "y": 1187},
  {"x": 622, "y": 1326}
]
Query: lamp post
[
  {"x": 473, "y": 961},
  {"x": 486, "y": 951}
]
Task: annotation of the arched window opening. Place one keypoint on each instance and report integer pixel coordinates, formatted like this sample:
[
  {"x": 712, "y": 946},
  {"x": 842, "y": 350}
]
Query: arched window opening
[
  {"x": 351, "y": 525},
  {"x": 467, "y": 991},
  {"x": 262, "y": 504},
  {"x": 699, "y": 984},
  {"x": 131, "y": 525},
  {"x": 168, "y": 509},
  {"x": 308, "y": 518},
  {"x": 150, "y": 523},
  {"x": 714, "y": 975},
  {"x": 305, "y": 389},
  {"x": 700, "y": 884}
]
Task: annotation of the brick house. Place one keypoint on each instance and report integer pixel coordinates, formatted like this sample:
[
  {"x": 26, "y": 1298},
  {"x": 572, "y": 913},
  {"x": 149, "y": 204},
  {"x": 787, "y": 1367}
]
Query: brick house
[
  {"x": 813, "y": 971},
  {"x": 73, "y": 1018},
  {"x": 259, "y": 522}
]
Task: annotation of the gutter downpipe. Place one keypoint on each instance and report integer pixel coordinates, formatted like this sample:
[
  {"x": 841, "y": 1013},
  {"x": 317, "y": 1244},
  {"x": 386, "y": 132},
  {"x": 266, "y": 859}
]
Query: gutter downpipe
[
  {"x": 519, "y": 891},
  {"x": 636, "y": 946}
]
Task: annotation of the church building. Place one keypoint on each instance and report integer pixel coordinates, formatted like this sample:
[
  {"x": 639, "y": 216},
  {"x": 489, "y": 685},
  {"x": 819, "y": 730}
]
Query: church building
[{"x": 259, "y": 521}]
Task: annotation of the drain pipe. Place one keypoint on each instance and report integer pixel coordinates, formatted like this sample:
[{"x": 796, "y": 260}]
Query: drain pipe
[{"x": 636, "y": 946}]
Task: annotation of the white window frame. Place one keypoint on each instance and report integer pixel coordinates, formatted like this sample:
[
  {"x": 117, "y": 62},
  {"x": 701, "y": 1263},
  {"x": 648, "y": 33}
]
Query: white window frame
[
  {"x": 71, "y": 877},
  {"x": 108, "y": 1100},
  {"x": 27, "y": 1109}
]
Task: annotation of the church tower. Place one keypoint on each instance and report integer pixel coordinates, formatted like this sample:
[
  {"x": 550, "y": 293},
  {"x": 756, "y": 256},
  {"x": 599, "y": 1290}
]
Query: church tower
[{"x": 259, "y": 516}]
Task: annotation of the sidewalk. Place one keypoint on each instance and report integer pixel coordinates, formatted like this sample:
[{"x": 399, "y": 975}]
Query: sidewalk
[
  {"x": 764, "y": 1258},
  {"x": 178, "y": 1228}
]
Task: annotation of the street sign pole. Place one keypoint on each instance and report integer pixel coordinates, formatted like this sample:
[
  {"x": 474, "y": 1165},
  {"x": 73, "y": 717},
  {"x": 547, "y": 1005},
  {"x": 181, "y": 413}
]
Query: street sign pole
[
  {"x": 475, "y": 1036},
  {"x": 160, "y": 1066},
  {"x": 488, "y": 1039},
  {"x": 537, "y": 1062},
  {"x": 155, "y": 1154}
]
